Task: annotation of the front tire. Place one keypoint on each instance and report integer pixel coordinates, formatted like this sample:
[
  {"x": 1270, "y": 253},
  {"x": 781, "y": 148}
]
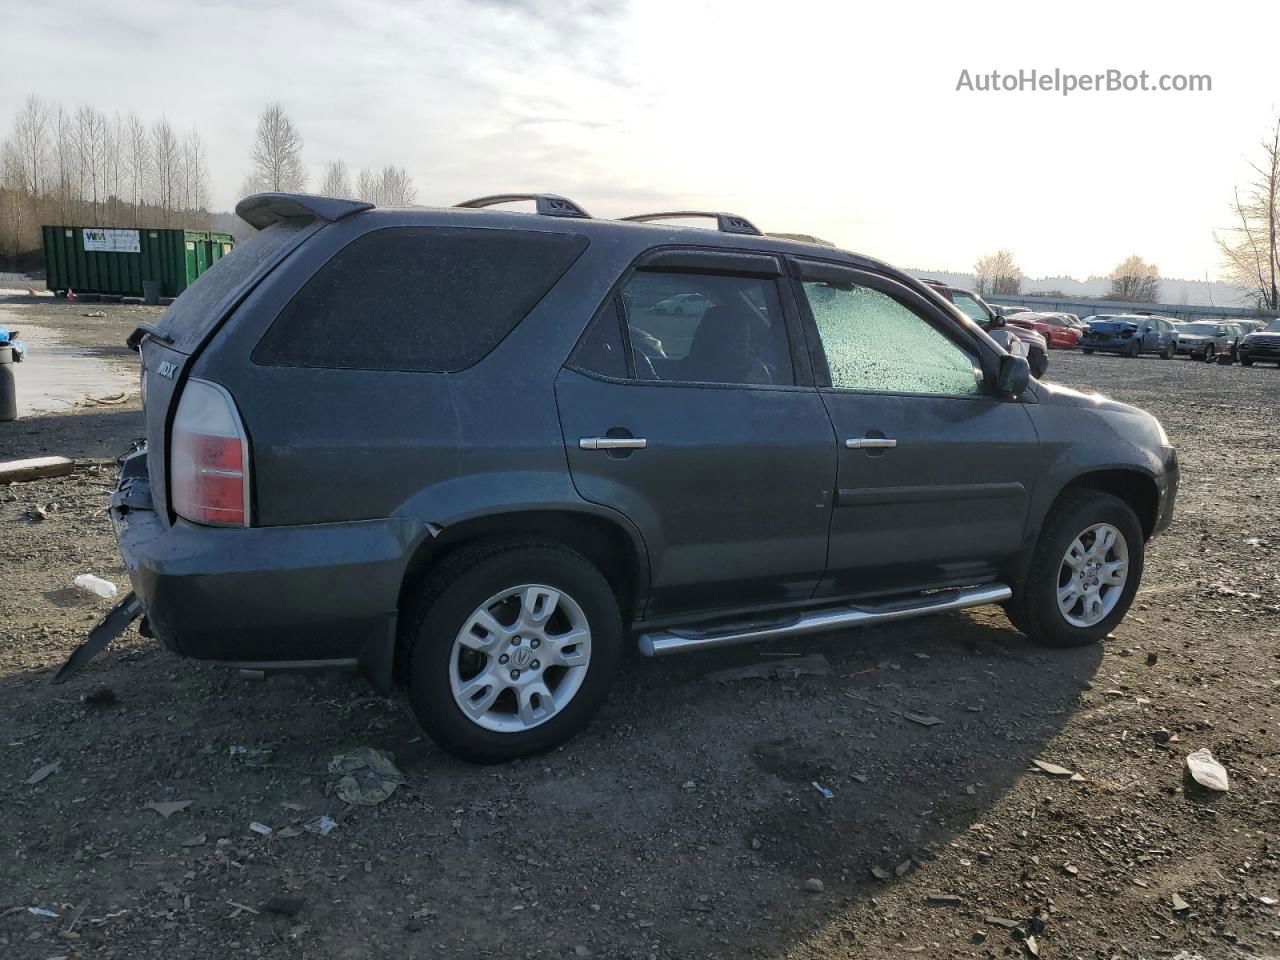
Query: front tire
[
  {"x": 1087, "y": 351},
  {"x": 1039, "y": 363},
  {"x": 1132, "y": 352},
  {"x": 1168, "y": 351},
  {"x": 512, "y": 649},
  {"x": 1084, "y": 573}
]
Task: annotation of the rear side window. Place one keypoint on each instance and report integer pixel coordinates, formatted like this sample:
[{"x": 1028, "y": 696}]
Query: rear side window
[{"x": 422, "y": 299}]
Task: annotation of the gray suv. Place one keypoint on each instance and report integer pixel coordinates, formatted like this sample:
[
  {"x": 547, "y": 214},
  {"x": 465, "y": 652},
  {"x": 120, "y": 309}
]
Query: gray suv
[{"x": 474, "y": 452}]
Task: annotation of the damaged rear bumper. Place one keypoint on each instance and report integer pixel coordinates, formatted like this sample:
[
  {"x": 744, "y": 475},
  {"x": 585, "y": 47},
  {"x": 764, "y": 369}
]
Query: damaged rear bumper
[{"x": 265, "y": 597}]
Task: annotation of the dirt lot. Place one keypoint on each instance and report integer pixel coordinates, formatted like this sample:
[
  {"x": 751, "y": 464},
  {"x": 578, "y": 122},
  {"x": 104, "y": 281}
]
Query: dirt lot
[{"x": 685, "y": 822}]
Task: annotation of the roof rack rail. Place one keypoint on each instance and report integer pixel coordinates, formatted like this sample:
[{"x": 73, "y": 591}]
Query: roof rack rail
[
  {"x": 547, "y": 204},
  {"x": 725, "y": 222},
  {"x": 261, "y": 210}
]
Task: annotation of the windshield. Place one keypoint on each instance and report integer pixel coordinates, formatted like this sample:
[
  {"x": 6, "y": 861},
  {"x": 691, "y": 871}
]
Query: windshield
[
  {"x": 1203, "y": 329},
  {"x": 1272, "y": 327},
  {"x": 970, "y": 306}
]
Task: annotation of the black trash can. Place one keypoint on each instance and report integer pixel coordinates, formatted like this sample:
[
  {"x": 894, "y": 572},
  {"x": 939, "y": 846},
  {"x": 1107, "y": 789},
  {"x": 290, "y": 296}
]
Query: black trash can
[
  {"x": 151, "y": 292},
  {"x": 8, "y": 386}
]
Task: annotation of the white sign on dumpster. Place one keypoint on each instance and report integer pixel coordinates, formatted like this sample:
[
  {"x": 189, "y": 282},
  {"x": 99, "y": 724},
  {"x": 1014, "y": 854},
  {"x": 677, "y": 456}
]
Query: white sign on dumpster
[{"x": 111, "y": 241}]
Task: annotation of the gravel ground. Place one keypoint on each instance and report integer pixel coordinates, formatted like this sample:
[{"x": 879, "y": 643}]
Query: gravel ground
[{"x": 685, "y": 821}]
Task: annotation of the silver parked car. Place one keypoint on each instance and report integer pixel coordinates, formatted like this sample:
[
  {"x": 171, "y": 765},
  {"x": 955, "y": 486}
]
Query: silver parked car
[{"x": 1208, "y": 339}]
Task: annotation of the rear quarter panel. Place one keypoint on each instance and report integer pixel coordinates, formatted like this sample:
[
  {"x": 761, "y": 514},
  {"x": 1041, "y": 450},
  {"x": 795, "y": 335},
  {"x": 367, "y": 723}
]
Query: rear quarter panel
[{"x": 332, "y": 445}]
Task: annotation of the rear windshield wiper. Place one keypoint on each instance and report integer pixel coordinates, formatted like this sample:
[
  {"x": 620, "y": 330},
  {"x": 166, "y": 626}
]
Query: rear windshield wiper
[{"x": 143, "y": 330}]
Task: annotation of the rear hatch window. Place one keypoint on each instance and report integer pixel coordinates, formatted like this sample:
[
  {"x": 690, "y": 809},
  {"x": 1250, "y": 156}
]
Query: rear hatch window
[
  {"x": 1112, "y": 326},
  {"x": 200, "y": 308}
]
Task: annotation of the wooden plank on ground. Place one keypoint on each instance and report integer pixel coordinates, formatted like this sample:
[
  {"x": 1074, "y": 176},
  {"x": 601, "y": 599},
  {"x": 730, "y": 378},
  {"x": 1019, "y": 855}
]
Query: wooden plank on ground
[{"x": 34, "y": 468}]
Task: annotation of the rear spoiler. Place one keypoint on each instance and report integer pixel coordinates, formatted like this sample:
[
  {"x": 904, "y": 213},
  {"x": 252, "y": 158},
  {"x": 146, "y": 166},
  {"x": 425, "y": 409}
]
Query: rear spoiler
[{"x": 263, "y": 209}]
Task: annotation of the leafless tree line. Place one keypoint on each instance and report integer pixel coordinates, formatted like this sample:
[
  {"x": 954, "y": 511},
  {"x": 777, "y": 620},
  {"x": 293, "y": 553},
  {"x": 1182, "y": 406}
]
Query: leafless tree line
[
  {"x": 276, "y": 165},
  {"x": 389, "y": 187},
  {"x": 84, "y": 167},
  {"x": 1250, "y": 247}
]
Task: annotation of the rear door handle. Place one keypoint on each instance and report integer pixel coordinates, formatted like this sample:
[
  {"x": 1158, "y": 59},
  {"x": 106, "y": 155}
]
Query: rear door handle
[
  {"x": 613, "y": 443},
  {"x": 871, "y": 443}
]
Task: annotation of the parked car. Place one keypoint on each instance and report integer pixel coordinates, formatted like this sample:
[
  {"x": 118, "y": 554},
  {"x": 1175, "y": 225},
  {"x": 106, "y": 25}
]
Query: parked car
[
  {"x": 1058, "y": 332},
  {"x": 1029, "y": 343},
  {"x": 419, "y": 442},
  {"x": 1207, "y": 339},
  {"x": 1249, "y": 326},
  {"x": 1262, "y": 344},
  {"x": 1005, "y": 310},
  {"x": 1130, "y": 335},
  {"x": 683, "y": 304}
]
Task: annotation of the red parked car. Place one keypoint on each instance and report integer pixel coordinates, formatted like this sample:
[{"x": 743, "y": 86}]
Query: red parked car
[{"x": 1055, "y": 329}]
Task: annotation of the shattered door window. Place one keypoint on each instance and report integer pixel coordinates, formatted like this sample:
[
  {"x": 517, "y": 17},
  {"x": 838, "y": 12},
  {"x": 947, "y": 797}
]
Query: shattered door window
[{"x": 873, "y": 342}]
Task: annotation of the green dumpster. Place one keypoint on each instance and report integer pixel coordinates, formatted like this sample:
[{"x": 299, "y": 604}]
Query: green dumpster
[{"x": 116, "y": 260}]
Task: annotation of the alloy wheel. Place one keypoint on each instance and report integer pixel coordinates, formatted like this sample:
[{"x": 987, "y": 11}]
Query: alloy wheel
[
  {"x": 1092, "y": 576},
  {"x": 519, "y": 658}
]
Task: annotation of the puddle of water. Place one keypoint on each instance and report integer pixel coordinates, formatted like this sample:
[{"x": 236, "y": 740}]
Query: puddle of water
[{"x": 55, "y": 376}]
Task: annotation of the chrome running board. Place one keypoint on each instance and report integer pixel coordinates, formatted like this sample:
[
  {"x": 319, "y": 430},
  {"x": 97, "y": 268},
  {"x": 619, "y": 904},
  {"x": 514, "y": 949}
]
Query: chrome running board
[{"x": 682, "y": 639}]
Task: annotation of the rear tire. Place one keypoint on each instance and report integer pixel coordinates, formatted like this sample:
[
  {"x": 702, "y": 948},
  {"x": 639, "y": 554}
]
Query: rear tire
[
  {"x": 1086, "y": 351},
  {"x": 491, "y": 676},
  {"x": 1066, "y": 539}
]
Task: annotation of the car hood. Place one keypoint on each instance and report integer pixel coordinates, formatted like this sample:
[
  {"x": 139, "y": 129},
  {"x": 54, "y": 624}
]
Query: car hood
[
  {"x": 1194, "y": 336},
  {"x": 1066, "y": 397}
]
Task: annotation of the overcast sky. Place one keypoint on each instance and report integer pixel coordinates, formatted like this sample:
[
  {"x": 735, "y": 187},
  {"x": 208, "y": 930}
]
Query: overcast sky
[{"x": 837, "y": 119}]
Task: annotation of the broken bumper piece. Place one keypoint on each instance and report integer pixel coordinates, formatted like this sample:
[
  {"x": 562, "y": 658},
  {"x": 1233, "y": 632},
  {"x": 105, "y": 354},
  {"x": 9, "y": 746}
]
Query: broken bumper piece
[{"x": 112, "y": 625}]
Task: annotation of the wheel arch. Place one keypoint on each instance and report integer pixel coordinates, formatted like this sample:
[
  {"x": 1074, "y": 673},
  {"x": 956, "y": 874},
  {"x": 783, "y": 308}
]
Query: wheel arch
[
  {"x": 1135, "y": 487},
  {"x": 606, "y": 541}
]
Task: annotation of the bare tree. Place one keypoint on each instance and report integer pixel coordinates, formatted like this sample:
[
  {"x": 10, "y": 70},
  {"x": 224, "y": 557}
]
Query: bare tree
[
  {"x": 115, "y": 171},
  {"x": 369, "y": 187},
  {"x": 395, "y": 187},
  {"x": 67, "y": 188},
  {"x": 90, "y": 140},
  {"x": 1135, "y": 280},
  {"x": 30, "y": 146},
  {"x": 137, "y": 152},
  {"x": 277, "y": 153},
  {"x": 1251, "y": 246},
  {"x": 166, "y": 169},
  {"x": 998, "y": 274},
  {"x": 337, "y": 181},
  {"x": 195, "y": 173}
]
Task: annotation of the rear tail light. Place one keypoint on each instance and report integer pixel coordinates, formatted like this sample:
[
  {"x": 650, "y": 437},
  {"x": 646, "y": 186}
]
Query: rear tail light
[{"x": 209, "y": 458}]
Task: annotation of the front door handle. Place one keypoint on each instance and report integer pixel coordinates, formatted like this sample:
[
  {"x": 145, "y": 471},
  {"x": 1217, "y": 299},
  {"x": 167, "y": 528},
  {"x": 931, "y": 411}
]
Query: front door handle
[
  {"x": 871, "y": 443},
  {"x": 613, "y": 443}
]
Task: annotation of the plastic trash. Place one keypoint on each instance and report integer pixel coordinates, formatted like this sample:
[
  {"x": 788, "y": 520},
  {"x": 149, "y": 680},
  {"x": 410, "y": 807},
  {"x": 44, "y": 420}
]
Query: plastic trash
[
  {"x": 96, "y": 585},
  {"x": 321, "y": 825},
  {"x": 1208, "y": 772},
  {"x": 366, "y": 776}
]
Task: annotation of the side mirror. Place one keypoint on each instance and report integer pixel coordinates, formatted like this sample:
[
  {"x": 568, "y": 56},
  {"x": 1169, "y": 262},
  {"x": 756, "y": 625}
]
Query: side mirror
[
  {"x": 996, "y": 322},
  {"x": 1013, "y": 376}
]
